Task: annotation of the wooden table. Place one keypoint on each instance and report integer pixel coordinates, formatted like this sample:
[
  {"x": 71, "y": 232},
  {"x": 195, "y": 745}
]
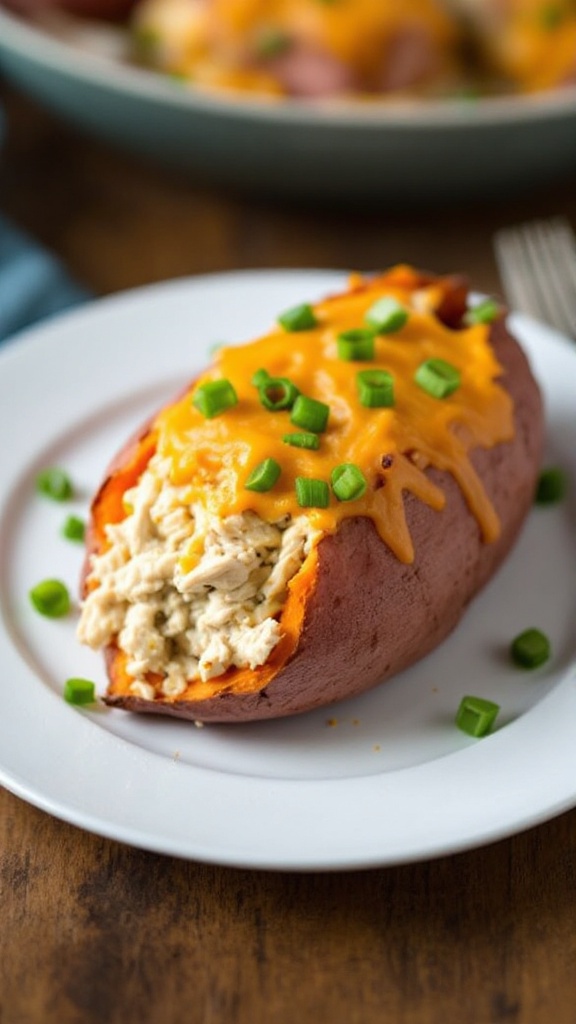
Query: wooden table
[{"x": 94, "y": 931}]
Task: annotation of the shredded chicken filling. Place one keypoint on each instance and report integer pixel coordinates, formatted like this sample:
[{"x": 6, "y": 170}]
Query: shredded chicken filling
[{"x": 185, "y": 625}]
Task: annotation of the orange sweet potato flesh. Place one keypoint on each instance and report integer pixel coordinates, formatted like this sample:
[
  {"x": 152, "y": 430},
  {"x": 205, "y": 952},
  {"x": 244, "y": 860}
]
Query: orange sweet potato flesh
[{"x": 357, "y": 615}]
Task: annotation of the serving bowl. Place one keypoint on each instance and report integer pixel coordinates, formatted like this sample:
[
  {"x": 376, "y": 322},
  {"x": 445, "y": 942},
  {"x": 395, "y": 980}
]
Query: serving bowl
[{"x": 387, "y": 151}]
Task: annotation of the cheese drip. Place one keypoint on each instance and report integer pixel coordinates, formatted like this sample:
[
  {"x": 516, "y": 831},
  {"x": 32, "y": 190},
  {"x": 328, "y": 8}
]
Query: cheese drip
[{"x": 392, "y": 446}]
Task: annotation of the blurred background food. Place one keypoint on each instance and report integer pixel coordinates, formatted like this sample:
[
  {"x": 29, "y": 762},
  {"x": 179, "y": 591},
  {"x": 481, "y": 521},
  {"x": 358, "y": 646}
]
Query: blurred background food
[
  {"x": 305, "y": 48},
  {"x": 315, "y": 49},
  {"x": 527, "y": 45}
]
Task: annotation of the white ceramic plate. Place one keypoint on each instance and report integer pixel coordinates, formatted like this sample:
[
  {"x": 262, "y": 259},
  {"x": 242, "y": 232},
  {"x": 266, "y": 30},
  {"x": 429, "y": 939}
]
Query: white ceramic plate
[
  {"x": 389, "y": 152},
  {"x": 381, "y": 779}
]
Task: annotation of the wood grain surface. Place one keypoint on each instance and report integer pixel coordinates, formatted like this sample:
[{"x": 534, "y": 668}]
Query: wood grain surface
[{"x": 94, "y": 931}]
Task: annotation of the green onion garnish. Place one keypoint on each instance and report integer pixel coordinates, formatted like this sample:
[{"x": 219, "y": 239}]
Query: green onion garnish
[
  {"x": 356, "y": 344},
  {"x": 476, "y": 716},
  {"x": 263, "y": 476},
  {"x": 79, "y": 691},
  {"x": 147, "y": 42},
  {"x": 348, "y": 482},
  {"x": 468, "y": 94},
  {"x": 260, "y": 377},
  {"x": 310, "y": 414},
  {"x": 54, "y": 483},
  {"x": 437, "y": 377},
  {"x": 74, "y": 528},
  {"x": 51, "y": 598},
  {"x": 214, "y": 397},
  {"x": 312, "y": 493},
  {"x": 387, "y": 315},
  {"x": 551, "y": 17},
  {"x": 300, "y": 318},
  {"x": 375, "y": 388},
  {"x": 271, "y": 42},
  {"x": 484, "y": 313},
  {"x": 304, "y": 439},
  {"x": 552, "y": 486},
  {"x": 530, "y": 649},
  {"x": 277, "y": 393}
]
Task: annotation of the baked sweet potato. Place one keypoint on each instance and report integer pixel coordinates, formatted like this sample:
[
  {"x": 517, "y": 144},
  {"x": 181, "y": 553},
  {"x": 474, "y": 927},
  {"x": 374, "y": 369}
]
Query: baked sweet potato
[{"x": 217, "y": 602}]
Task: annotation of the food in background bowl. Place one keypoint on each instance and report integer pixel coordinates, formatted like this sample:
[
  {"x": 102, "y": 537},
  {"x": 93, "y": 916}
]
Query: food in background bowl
[
  {"x": 528, "y": 45},
  {"x": 303, "y": 48},
  {"x": 317, "y": 48},
  {"x": 315, "y": 512}
]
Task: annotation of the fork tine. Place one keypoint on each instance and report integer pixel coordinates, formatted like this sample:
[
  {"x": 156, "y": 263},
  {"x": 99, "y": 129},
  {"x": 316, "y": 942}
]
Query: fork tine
[
  {"x": 516, "y": 271},
  {"x": 537, "y": 264},
  {"x": 562, "y": 250},
  {"x": 547, "y": 244}
]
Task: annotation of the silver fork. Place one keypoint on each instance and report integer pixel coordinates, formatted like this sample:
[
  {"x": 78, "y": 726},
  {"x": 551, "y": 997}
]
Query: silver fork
[{"x": 537, "y": 264}]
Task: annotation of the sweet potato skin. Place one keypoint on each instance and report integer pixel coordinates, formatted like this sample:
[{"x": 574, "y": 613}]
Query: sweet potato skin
[{"x": 369, "y": 615}]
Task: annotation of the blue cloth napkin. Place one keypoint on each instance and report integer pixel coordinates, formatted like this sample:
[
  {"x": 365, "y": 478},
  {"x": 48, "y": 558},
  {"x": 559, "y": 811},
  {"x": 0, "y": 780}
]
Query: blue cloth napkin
[{"x": 33, "y": 284}]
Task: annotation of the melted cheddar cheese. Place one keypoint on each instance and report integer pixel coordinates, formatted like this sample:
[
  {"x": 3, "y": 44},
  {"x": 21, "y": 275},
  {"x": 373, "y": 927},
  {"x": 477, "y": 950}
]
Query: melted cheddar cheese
[
  {"x": 392, "y": 446},
  {"x": 531, "y": 43}
]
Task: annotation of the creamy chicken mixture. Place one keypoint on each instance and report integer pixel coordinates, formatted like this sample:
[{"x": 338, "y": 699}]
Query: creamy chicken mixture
[{"x": 184, "y": 622}]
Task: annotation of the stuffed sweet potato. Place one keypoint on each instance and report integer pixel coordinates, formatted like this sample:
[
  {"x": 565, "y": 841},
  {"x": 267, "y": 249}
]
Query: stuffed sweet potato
[{"x": 316, "y": 511}]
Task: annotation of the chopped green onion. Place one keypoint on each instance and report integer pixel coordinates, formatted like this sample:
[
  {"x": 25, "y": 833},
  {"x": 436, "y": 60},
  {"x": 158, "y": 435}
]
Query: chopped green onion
[
  {"x": 552, "y": 486},
  {"x": 214, "y": 397},
  {"x": 147, "y": 42},
  {"x": 551, "y": 17},
  {"x": 51, "y": 598},
  {"x": 277, "y": 393},
  {"x": 74, "y": 528},
  {"x": 263, "y": 476},
  {"x": 438, "y": 378},
  {"x": 311, "y": 493},
  {"x": 476, "y": 716},
  {"x": 484, "y": 313},
  {"x": 272, "y": 41},
  {"x": 305, "y": 439},
  {"x": 348, "y": 482},
  {"x": 387, "y": 315},
  {"x": 356, "y": 344},
  {"x": 530, "y": 649},
  {"x": 54, "y": 483},
  {"x": 310, "y": 414},
  {"x": 467, "y": 94},
  {"x": 79, "y": 691},
  {"x": 260, "y": 377},
  {"x": 375, "y": 388},
  {"x": 299, "y": 318}
]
